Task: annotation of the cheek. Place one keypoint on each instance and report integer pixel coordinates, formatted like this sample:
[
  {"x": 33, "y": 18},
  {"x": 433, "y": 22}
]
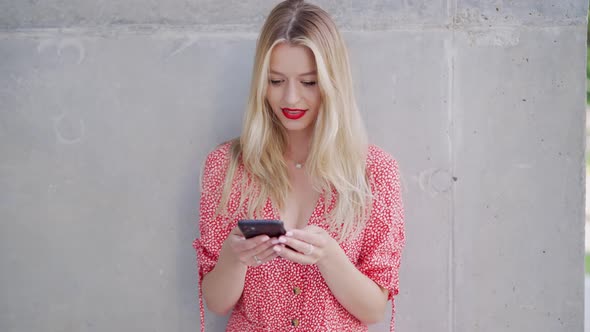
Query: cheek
[
  {"x": 274, "y": 94},
  {"x": 270, "y": 97},
  {"x": 314, "y": 97}
]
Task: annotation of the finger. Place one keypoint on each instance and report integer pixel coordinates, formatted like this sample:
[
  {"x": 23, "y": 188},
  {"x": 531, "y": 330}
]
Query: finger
[
  {"x": 307, "y": 236},
  {"x": 255, "y": 261},
  {"x": 267, "y": 255},
  {"x": 292, "y": 255},
  {"x": 256, "y": 251},
  {"x": 237, "y": 231},
  {"x": 236, "y": 237},
  {"x": 297, "y": 245},
  {"x": 262, "y": 257},
  {"x": 249, "y": 244}
]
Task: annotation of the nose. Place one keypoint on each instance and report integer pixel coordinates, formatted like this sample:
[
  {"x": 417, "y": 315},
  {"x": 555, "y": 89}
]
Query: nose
[{"x": 292, "y": 94}]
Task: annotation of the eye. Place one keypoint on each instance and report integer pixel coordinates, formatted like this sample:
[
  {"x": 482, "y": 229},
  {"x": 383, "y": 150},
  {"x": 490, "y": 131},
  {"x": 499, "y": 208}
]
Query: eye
[
  {"x": 309, "y": 83},
  {"x": 275, "y": 82}
]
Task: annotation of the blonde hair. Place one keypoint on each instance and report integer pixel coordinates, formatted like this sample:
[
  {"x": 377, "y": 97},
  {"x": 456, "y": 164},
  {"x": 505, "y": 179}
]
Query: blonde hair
[{"x": 337, "y": 159}]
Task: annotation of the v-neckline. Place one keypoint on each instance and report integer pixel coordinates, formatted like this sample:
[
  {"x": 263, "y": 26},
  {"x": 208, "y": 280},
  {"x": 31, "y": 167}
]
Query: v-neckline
[{"x": 277, "y": 212}]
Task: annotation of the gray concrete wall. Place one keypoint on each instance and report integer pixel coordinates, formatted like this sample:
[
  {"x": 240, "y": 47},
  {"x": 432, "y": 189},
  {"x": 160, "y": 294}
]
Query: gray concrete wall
[{"x": 108, "y": 108}]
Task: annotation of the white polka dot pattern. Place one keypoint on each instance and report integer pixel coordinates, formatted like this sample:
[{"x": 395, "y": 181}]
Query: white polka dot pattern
[{"x": 284, "y": 296}]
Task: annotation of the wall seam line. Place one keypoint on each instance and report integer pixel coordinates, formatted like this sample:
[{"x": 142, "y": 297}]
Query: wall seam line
[{"x": 452, "y": 11}]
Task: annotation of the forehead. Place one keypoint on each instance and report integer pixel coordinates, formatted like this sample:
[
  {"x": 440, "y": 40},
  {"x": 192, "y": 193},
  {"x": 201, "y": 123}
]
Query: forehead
[{"x": 292, "y": 60}]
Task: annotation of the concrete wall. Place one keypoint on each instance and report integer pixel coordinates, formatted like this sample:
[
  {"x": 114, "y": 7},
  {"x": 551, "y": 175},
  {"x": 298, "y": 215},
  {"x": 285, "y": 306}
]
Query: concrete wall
[{"x": 108, "y": 108}]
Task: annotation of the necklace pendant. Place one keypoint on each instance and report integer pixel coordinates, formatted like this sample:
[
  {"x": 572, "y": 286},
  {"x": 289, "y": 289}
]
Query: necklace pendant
[{"x": 298, "y": 165}]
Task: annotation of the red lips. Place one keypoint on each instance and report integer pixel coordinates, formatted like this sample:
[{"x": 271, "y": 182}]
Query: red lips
[{"x": 293, "y": 113}]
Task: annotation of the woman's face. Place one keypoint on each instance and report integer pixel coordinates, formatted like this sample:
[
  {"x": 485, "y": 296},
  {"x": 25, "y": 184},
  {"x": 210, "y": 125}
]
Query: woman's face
[{"x": 292, "y": 92}]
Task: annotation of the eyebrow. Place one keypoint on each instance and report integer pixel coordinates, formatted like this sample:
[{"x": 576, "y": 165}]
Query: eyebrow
[{"x": 313, "y": 72}]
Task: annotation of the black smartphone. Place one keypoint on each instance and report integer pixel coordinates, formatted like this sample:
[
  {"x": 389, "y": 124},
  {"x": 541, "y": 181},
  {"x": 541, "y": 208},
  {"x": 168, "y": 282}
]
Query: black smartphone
[{"x": 254, "y": 227}]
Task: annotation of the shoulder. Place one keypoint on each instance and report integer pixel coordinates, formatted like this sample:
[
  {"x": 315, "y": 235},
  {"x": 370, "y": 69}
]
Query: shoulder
[
  {"x": 219, "y": 156},
  {"x": 384, "y": 179},
  {"x": 380, "y": 162},
  {"x": 216, "y": 165}
]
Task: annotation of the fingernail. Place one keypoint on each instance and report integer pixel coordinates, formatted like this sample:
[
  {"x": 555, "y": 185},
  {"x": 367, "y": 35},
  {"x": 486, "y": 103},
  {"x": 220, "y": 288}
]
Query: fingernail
[
  {"x": 264, "y": 239},
  {"x": 275, "y": 241},
  {"x": 276, "y": 248},
  {"x": 282, "y": 240},
  {"x": 289, "y": 233}
]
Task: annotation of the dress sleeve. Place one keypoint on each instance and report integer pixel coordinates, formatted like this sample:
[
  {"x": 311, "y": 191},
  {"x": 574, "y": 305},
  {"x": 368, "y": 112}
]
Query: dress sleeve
[
  {"x": 384, "y": 236},
  {"x": 212, "y": 227}
]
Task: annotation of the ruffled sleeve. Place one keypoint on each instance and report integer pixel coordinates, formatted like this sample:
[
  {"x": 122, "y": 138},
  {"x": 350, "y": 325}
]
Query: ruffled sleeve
[
  {"x": 384, "y": 238},
  {"x": 212, "y": 227}
]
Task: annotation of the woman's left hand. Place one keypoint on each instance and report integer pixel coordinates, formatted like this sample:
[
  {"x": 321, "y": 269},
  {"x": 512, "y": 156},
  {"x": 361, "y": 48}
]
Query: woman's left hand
[{"x": 309, "y": 245}]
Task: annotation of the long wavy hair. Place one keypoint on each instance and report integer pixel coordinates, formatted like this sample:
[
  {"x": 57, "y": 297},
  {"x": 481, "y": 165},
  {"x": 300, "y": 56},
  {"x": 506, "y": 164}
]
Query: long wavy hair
[{"x": 337, "y": 159}]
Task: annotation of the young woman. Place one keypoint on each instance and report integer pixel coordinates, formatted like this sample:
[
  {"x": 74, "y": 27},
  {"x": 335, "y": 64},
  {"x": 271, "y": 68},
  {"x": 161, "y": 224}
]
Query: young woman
[{"x": 302, "y": 158}]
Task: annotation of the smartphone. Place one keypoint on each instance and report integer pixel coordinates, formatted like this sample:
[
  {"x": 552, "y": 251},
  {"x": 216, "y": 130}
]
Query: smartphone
[{"x": 254, "y": 227}]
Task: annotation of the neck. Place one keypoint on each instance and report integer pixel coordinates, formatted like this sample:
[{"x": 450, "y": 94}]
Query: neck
[{"x": 297, "y": 146}]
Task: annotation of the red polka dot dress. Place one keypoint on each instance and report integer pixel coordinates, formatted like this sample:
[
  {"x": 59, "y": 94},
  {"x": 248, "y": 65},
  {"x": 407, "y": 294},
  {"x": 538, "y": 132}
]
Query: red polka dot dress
[{"x": 281, "y": 295}]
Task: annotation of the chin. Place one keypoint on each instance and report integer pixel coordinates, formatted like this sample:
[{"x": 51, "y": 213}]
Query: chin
[{"x": 297, "y": 128}]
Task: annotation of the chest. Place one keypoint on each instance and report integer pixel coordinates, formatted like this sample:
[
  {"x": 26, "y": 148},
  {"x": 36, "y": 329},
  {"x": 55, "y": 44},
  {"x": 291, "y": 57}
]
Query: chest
[{"x": 301, "y": 202}]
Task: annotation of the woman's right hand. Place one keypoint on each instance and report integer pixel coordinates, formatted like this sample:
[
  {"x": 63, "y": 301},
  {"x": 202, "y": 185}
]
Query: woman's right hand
[{"x": 250, "y": 252}]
